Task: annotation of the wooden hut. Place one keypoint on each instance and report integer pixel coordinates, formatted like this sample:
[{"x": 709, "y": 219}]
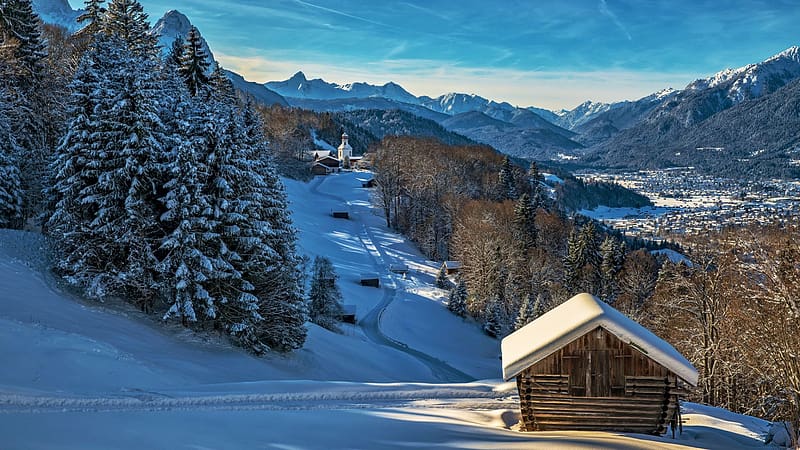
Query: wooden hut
[
  {"x": 349, "y": 314},
  {"x": 370, "y": 279},
  {"x": 586, "y": 366},
  {"x": 451, "y": 267}
]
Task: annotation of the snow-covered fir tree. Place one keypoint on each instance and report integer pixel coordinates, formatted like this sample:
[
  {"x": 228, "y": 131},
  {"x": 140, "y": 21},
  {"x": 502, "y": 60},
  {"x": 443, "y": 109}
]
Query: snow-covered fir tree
[
  {"x": 10, "y": 186},
  {"x": 442, "y": 282},
  {"x": 324, "y": 298},
  {"x": 529, "y": 311},
  {"x": 127, "y": 20},
  {"x": 175, "y": 54},
  {"x": 525, "y": 223},
  {"x": 612, "y": 259},
  {"x": 457, "y": 300},
  {"x": 93, "y": 15},
  {"x": 21, "y": 40},
  {"x": 194, "y": 63},
  {"x": 22, "y": 52},
  {"x": 117, "y": 143},
  {"x": 495, "y": 317},
  {"x": 222, "y": 85},
  {"x": 507, "y": 182}
]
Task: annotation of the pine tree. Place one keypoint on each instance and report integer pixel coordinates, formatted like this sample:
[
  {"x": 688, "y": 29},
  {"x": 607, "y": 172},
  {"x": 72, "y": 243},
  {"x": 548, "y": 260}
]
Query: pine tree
[
  {"x": 93, "y": 13},
  {"x": 22, "y": 69},
  {"x": 127, "y": 20},
  {"x": 113, "y": 160},
  {"x": 507, "y": 182},
  {"x": 612, "y": 256},
  {"x": 529, "y": 311},
  {"x": 175, "y": 54},
  {"x": 525, "y": 223},
  {"x": 221, "y": 86},
  {"x": 587, "y": 243},
  {"x": 194, "y": 63},
  {"x": 457, "y": 300},
  {"x": 442, "y": 282},
  {"x": 10, "y": 186},
  {"x": 21, "y": 41},
  {"x": 574, "y": 261},
  {"x": 192, "y": 243},
  {"x": 494, "y": 317},
  {"x": 324, "y": 298},
  {"x": 536, "y": 179}
]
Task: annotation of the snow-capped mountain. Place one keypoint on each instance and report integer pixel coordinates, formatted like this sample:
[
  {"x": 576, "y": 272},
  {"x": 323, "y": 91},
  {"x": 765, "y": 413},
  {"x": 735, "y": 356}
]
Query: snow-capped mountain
[
  {"x": 712, "y": 112},
  {"x": 754, "y": 80},
  {"x": 173, "y": 25},
  {"x": 58, "y": 12},
  {"x": 582, "y": 113},
  {"x": 298, "y": 86}
]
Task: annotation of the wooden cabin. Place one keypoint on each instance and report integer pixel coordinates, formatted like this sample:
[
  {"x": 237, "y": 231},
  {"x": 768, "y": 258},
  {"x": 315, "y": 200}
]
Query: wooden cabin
[
  {"x": 320, "y": 169},
  {"x": 400, "y": 269},
  {"x": 451, "y": 267},
  {"x": 370, "y": 279},
  {"x": 586, "y": 366},
  {"x": 349, "y": 314}
]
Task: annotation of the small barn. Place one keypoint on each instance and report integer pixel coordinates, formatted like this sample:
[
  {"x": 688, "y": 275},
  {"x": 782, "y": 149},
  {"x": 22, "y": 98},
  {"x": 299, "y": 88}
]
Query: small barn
[
  {"x": 330, "y": 162},
  {"x": 349, "y": 314},
  {"x": 370, "y": 279},
  {"x": 451, "y": 267},
  {"x": 586, "y": 366},
  {"x": 320, "y": 169}
]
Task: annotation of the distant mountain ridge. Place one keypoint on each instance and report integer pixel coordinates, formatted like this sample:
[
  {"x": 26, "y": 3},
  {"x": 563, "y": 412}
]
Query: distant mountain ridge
[
  {"x": 686, "y": 123},
  {"x": 298, "y": 86}
]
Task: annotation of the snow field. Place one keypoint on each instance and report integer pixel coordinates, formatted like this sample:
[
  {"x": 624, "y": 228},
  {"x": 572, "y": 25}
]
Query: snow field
[{"x": 83, "y": 375}]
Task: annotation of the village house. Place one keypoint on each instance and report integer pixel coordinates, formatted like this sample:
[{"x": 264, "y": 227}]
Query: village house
[{"x": 586, "y": 366}]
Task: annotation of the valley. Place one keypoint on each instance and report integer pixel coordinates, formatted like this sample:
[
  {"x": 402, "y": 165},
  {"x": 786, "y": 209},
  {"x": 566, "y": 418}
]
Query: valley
[{"x": 688, "y": 202}]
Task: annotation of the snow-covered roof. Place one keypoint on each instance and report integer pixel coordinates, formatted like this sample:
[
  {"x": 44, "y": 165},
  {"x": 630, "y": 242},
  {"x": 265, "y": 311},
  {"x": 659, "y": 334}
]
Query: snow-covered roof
[
  {"x": 452, "y": 264},
  {"x": 576, "y": 317},
  {"x": 319, "y": 153}
]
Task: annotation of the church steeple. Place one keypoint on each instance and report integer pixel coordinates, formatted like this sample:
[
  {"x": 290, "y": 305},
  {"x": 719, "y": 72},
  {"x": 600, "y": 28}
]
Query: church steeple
[{"x": 345, "y": 151}]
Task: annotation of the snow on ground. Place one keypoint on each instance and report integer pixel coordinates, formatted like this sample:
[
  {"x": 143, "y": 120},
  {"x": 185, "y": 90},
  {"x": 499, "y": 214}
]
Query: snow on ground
[
  {"x": 673, "y": 256},
  {"x": 608, "y": 213},
  {"x": 320, "y": 143},
  {"x": 87, "y": 375}
]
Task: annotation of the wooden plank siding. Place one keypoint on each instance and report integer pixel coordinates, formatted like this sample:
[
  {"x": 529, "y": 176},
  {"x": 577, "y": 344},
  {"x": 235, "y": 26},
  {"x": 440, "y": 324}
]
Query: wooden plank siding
[{"x": 598, "y": 382}]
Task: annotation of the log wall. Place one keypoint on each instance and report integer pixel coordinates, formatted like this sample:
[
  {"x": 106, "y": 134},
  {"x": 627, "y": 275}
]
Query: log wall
[{"x": 598, "y": 382}]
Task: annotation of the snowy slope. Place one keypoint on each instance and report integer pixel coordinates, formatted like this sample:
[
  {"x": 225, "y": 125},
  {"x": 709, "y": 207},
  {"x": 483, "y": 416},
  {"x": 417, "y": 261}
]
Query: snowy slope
[
  {"x": 58, "y": 12},
  {"x": 97, "y": 376}
]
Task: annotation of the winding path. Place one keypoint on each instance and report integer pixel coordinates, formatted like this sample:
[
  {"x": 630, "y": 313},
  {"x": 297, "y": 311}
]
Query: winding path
[{"x": 371, "y": 322}]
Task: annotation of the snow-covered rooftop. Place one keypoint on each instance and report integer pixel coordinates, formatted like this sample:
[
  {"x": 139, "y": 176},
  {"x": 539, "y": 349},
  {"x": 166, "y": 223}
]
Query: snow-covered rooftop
[{"x": 576, "y": 317}]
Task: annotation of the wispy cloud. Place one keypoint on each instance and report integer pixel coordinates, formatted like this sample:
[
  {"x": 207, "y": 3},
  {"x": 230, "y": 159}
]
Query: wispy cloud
[{"x": 610, "y": 14}]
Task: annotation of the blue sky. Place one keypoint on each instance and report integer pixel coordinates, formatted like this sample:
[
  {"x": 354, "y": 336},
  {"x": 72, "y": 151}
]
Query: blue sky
[{"x": 552, "y": 54}]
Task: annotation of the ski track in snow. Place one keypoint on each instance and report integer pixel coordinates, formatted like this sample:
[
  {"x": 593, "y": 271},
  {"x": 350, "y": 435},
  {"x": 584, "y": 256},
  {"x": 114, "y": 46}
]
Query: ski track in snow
[
  {"x": 438, "y": 397},
  {"x": 371, "y": 322}
]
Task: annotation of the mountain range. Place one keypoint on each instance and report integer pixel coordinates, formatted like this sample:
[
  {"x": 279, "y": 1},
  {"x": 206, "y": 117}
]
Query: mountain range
[{"x": 663, "y": 129}]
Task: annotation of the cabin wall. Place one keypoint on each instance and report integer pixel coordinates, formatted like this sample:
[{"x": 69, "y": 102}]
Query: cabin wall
[{"x": 598, "y": 382}]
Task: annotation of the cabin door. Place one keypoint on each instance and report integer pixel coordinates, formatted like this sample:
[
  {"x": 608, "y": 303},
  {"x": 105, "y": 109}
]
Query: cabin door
[{"x": 590, "y": 374}]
